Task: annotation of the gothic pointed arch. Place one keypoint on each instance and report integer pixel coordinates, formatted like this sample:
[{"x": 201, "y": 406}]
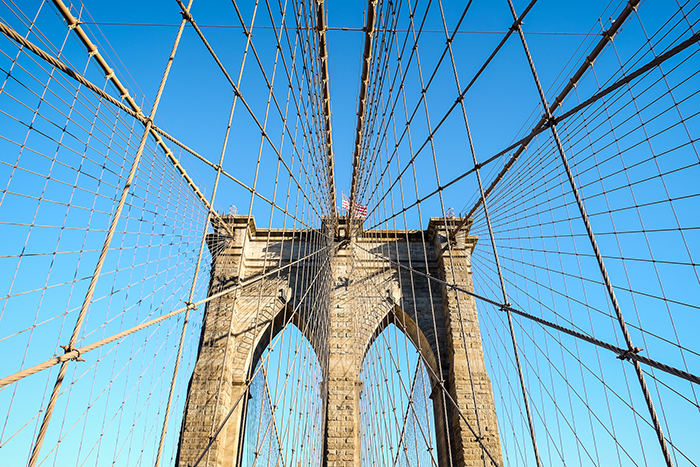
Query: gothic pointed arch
[{"x": 403, "y": 321}]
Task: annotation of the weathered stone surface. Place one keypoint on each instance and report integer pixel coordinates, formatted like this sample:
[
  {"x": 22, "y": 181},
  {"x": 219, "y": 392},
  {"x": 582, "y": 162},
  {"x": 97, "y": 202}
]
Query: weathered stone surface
[{"x": 363, "y": 291}]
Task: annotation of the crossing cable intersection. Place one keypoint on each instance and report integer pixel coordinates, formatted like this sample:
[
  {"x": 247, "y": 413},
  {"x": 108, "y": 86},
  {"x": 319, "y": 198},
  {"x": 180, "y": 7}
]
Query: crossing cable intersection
[
  {"x": 77, "y": 353},
  {"x": 623, "y": 354},
  {"x": 372, "y": 164},
  {"x": 543, "y": 126}
]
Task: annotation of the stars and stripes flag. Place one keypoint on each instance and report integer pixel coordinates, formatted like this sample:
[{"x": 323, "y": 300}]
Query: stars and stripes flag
[{"x": 360, "y": 210}]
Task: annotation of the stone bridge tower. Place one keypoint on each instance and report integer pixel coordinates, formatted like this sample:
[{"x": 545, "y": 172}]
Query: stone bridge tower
[{"x": 441, "y": 322}]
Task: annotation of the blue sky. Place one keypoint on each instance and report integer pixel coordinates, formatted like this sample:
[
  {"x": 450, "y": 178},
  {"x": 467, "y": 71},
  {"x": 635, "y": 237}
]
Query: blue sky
[
  {"x": 195, "y": 110},
  {"x": 638, "y": 181}
]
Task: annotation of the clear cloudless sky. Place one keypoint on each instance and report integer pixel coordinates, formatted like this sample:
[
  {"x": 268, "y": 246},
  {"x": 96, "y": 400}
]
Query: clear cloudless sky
[
  {"x": 195, "y": 104},
  {"x": 502, "y": 106}
]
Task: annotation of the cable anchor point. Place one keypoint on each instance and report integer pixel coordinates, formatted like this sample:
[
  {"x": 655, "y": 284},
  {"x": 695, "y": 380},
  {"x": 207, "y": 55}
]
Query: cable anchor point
[
  {"x": 187, "y": 16},
  {"x": 68, "y": 349},
  {"x": 627, "y": 354},
  {"x": 550, "y": 121}
]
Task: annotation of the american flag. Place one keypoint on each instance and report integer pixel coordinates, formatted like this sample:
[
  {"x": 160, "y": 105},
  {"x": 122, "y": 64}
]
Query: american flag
[{"x": 360, "y": 210}]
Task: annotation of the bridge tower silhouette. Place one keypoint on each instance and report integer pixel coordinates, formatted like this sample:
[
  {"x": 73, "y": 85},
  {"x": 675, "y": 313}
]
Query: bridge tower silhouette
[{"x": 395, "y": 233}]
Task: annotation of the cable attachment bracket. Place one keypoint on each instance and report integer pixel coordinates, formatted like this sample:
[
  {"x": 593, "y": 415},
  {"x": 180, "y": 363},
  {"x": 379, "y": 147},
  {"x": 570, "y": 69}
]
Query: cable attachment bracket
[
  {"x": 627, "y": 354},
  {"x": 516, "y": 25},
  {"x": 191, "y": 305},
  {"x": 68, "y": 349},
  {"x": 187, "y": 16},
  {"x": 549, "y": 120}
]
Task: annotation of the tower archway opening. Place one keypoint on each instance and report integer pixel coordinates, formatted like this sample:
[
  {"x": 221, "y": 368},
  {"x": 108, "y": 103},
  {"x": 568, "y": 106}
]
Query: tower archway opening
[
  {"x": 396, "y": 409},
  {"x": 284, "y": 409}
]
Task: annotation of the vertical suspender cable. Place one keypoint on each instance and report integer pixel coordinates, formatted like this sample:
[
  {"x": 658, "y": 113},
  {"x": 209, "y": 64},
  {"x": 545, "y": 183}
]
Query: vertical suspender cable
[
  {"x": 573, "y": 81},
  {"x": 594, "y": 244},
  {"x": 166, "y": 417},
  {"x": 325, "y": 83},
  {"x": 361, "y": 105},
  {"x": 105, "y": 248}
]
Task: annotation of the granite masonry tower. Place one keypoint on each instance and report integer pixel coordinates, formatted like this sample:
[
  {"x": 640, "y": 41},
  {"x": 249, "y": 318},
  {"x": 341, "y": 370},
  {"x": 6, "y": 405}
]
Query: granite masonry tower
[{"x": 441, "y": 322}]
